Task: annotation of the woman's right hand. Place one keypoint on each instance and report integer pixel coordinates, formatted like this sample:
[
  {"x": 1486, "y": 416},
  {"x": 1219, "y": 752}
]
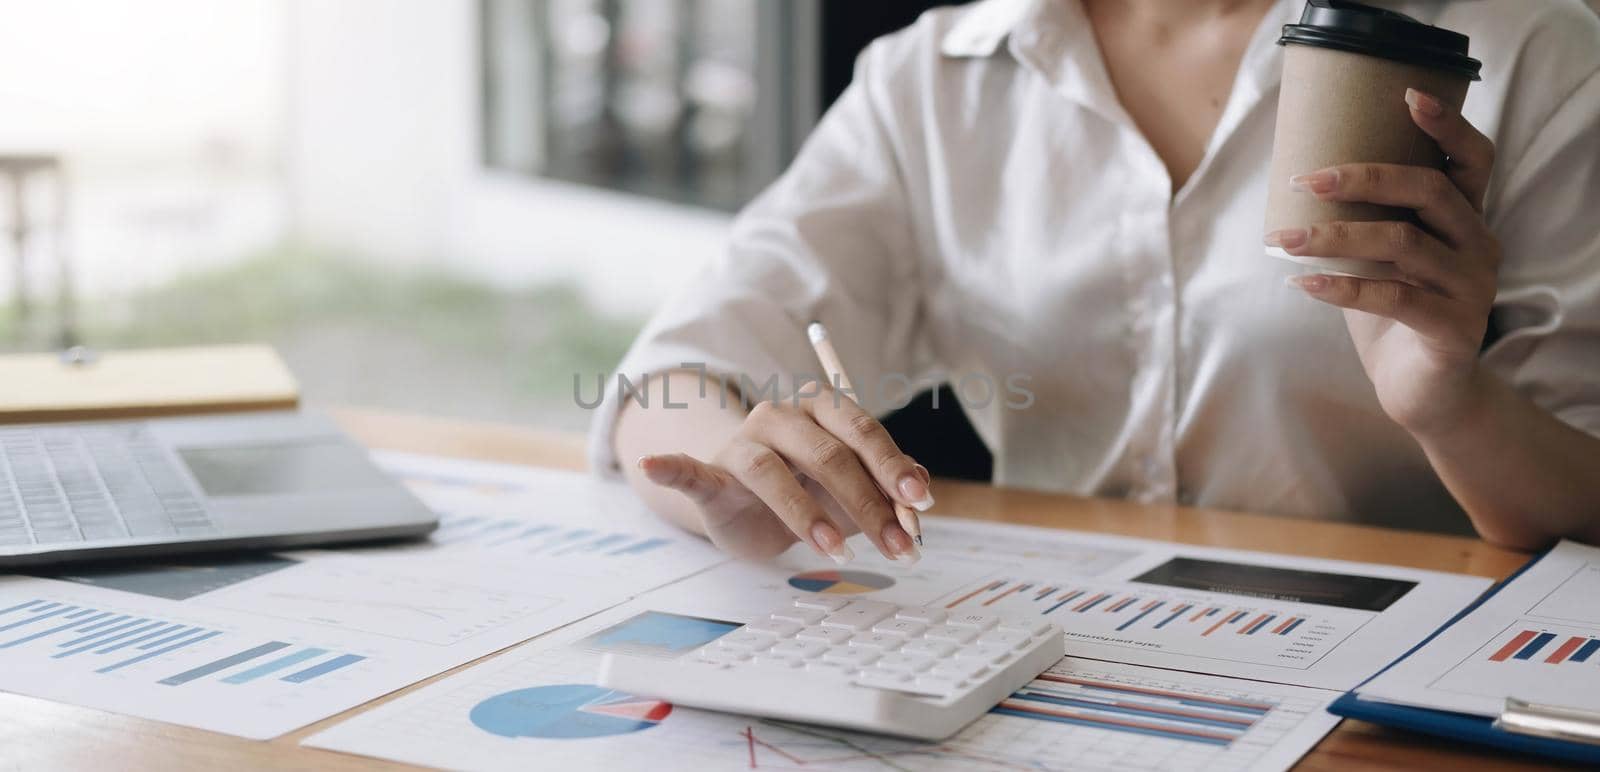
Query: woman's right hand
[{"x": 816, "y": 471}]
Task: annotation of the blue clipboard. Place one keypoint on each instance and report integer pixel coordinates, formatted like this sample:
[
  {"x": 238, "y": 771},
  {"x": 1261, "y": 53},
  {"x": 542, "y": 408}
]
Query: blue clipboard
[{"x": 1460, "y": 726}]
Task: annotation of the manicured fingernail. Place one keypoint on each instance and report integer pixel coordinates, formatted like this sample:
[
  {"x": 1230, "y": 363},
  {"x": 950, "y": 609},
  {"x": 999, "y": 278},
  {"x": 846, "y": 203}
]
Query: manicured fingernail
[
  {"x": 900, "y": 544},
  {"x": 647, "y": 465},
  {"x": 1310, "y": 282},
  {"x": 922, "y": 471},
  {"x": 827, "y": 539},
  {"x": 1288, "y": 238},
  {"x": 1325, "y": 181},
  {"x": 916, "y": 492},
  {"x": 1424, "y": 103}
]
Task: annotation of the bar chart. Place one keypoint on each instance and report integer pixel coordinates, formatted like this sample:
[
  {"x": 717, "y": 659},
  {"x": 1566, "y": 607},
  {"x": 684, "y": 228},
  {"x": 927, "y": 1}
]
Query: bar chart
[
  {"x": 1528, "y": 644},
  {"x": 168, "y": 653},
  {"x": 1530, "y": 657},
  {"x": 1212, "y": 625},
  {"x": 542, "y": 539},
  {"x": 1142, "y": 709}
]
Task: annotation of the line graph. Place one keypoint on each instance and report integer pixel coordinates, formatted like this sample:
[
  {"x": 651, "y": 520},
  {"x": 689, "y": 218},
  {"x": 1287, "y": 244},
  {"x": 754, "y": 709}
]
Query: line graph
[{"x": 369, "y": 598}]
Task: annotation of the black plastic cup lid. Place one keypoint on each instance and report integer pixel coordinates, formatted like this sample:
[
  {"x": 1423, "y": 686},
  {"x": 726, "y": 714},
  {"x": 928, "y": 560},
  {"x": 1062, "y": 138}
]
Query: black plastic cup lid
[{"x": 1359, "y": 28}]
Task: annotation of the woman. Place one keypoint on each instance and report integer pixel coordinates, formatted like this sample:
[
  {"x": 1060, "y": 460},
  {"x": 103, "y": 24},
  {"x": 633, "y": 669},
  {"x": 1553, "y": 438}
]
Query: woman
[{"x": 1066, "y": 196}]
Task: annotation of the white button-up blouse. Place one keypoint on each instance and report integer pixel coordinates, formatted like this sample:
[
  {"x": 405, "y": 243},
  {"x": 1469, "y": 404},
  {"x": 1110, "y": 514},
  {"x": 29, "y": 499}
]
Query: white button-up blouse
[{"x": 977, "y": 208}]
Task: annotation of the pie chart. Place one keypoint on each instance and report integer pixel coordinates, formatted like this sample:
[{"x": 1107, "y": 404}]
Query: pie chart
[
  {"x": 567, "y": 712},
  {"x": 840, "y": 582}
]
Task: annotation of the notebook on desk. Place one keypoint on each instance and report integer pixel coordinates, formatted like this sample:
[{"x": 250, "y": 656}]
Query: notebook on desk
[{"x": 144, "y": 383}]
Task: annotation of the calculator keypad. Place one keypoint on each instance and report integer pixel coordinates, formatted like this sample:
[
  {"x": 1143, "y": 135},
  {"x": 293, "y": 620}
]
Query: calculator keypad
[{"x": 923, "y": 651}]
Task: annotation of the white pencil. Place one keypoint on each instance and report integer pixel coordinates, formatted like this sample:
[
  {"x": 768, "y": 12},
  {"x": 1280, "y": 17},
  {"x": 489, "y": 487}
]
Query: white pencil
[{"x": 834, "y": 370}]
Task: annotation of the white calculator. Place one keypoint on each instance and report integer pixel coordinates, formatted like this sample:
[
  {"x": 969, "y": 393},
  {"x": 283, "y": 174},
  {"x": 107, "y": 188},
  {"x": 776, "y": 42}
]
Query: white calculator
[{"x": 858, "y": 664}]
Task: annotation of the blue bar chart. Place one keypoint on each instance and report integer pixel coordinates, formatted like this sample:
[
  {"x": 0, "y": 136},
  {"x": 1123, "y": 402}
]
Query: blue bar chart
[
  {"x": 107, "y": 642},
  {"x": 1209, "y": 624},
  {"x": 542, "y": 539}
]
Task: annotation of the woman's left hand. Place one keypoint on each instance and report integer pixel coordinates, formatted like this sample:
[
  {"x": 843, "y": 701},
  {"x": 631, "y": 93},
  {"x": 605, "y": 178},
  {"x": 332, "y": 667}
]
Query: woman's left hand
[{"x": 1419, "y": 336}]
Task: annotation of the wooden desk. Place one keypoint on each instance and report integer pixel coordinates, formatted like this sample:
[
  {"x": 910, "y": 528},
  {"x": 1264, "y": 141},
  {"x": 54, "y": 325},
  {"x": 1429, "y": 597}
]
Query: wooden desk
[{"x": 37, "y": 734}]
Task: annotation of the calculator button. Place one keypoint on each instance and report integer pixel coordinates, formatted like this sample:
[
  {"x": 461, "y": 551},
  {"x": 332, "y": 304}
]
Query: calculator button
[
  {"x": 984, "y": 653},
  {"x": 820, "y": 602},
  {"x": 901, "y": 627},
  {"x": 1028, "y": 627},
  {"x": 822, "y": 669},
  {"x": 854, "y": 656},
  {"x": 1004, "y": 639},
  {"x": 960, "y": 670},
  {"x": 904, "y": 663},
  {"x": 773, "y": 627},
  {"x": 747, "y": 642},
  {"x": 725, "y": 656},
  {"x": 883, "y": 679},
  {"x": 800, "y": 616},
  {"x": 861, "y": 615},
  {"x": 979, "y": 621},
  {"x": 877, "y": 641},
  {"x": 800, "y": 649},
  {"x": 927, "y": 647},
  {"x": 781, "y": 663},
  {"x": 951, "y": 634},
  {"x": 927, "y": 616},
  {"x": 829, "y": 634}
]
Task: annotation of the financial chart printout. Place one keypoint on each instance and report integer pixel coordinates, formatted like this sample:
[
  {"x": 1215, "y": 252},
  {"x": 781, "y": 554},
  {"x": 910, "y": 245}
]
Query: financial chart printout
[
  {"x": 258, "y": 645},
  {"x": 1139, "y": 690},
  {"x": 1537, "y": 639},
  {"x": 1320, "y": 623},
  {"x": 539, "y": 701}
]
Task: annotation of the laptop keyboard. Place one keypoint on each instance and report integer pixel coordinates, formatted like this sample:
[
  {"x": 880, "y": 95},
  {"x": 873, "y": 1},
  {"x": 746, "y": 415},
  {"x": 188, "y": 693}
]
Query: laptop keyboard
[{"x": 88, "y": 484}]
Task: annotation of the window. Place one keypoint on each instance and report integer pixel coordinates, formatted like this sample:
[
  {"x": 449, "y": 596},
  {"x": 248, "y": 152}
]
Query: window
[{"x": 693, "y": 101}]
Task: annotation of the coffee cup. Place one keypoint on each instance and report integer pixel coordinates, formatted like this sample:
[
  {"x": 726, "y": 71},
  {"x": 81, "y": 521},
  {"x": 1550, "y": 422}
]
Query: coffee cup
[{"x": 1346, "y": 68}]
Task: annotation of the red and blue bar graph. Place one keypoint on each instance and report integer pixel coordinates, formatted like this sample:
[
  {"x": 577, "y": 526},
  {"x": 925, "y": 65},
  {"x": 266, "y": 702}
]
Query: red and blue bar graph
[{"x": 1527, "y": 644}]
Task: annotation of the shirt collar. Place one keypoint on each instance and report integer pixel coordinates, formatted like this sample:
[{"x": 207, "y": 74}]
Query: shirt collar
[
  {"x": 984, "y": 25},
  {"x": 1053, "y": 38}
]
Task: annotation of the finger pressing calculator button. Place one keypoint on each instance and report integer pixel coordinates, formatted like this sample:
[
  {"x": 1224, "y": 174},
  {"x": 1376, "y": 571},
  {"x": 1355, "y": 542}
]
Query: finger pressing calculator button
[
  {"x": 854, "y": 656},
  {"x": 1004, "y": 639},
  {"x": 951, "y": 634},
  {"x": 800, "y": 648},
  {"x": 747, "y": 642},
  {"x": 822, "y": 602},
  {"x": 930, "y": 648},
  {"x": 773, "y": 627},
  {"x": 828, "y": 634},
  {"x": 800, "y": 615},
  {"x": 877, "y": 641},
  {"x": 927, "y": 616},
  {"x": 1029, "y": 627},
  {"x": 979, "y": 621},
  {"x": 901, "y": 627}
]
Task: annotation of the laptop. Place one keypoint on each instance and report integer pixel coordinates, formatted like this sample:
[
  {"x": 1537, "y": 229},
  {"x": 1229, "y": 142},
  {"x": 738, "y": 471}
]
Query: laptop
[{"x": 116, "y": 489}]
